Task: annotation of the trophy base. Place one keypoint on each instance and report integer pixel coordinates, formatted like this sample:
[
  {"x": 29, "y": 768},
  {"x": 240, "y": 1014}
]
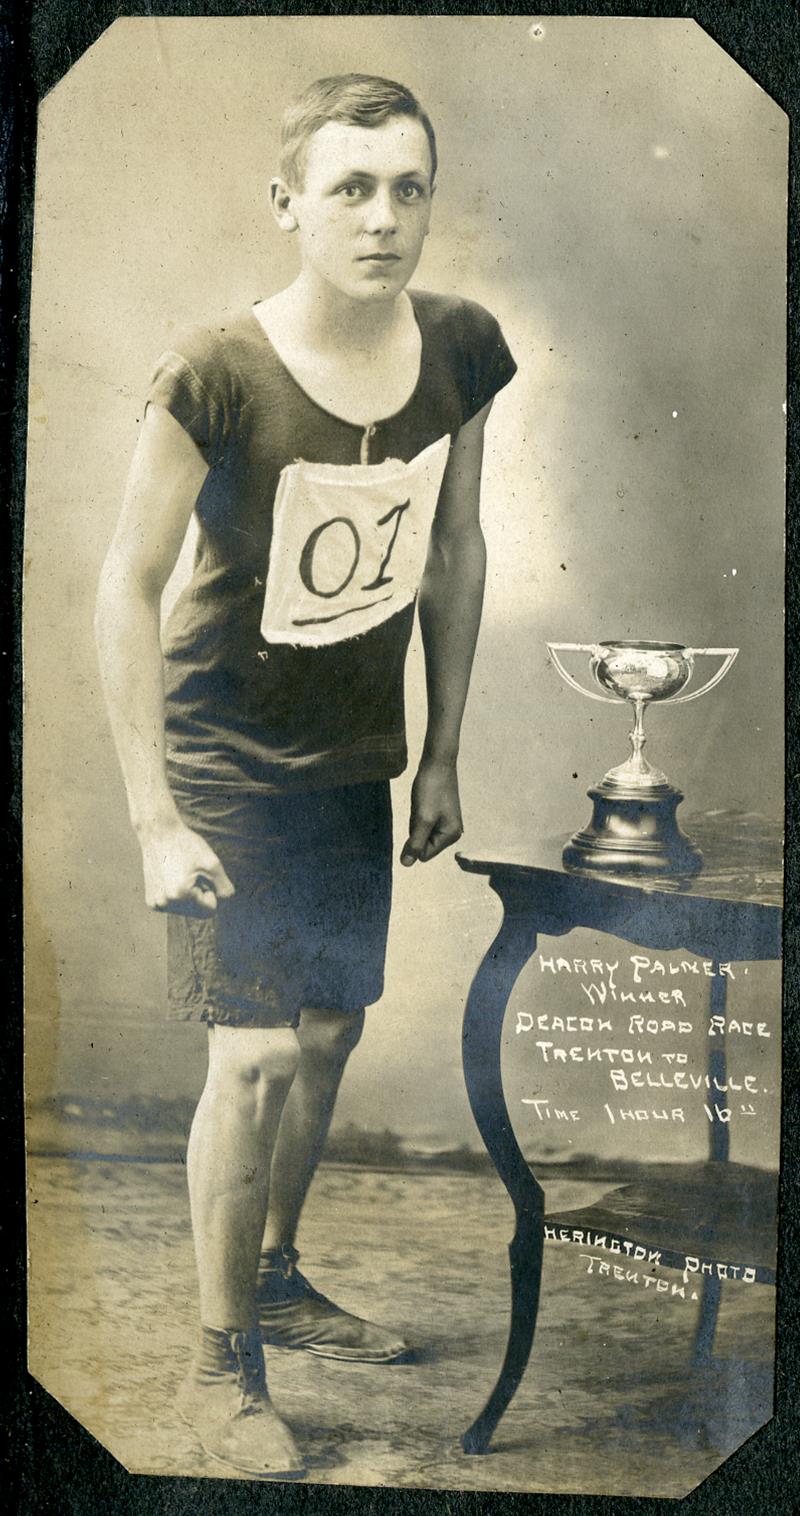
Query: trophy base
[{"x": 633, "y": 833}]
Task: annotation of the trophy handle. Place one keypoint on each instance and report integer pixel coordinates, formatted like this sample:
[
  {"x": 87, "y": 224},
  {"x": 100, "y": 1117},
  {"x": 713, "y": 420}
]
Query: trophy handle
[
  {"x": 554, "y": 648},
  {"x": 727, "y": 654}
]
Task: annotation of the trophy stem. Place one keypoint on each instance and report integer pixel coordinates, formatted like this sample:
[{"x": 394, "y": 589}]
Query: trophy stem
[
  {"x": 639, "y": 765},
  {"x": 636, "y": 773}
]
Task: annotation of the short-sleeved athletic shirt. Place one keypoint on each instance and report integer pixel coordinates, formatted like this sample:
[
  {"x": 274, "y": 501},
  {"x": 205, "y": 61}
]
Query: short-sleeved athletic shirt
[{"x": 284, "y": 655}]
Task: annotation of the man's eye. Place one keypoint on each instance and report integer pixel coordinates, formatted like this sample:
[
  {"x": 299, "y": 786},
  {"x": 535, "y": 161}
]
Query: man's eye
[
  {"x": 410, "y": 190},
  {"x": 352, "y": 191}
]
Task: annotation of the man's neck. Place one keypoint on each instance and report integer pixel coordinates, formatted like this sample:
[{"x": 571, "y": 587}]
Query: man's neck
[{"x": 323, "y": 318}]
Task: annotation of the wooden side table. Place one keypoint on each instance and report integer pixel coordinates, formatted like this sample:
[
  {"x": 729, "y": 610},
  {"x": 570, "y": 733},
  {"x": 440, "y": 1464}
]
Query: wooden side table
[{"x": 731, "y": 911}]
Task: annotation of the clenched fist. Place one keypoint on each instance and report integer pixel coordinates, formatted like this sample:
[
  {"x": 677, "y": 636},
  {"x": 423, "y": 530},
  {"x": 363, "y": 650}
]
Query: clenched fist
[
  {"x": 435, "y": 822},
  {"x": 181, "y": 872}
]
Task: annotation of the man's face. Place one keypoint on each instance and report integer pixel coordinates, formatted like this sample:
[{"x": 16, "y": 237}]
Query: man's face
[{"x": 363, "y": 211}]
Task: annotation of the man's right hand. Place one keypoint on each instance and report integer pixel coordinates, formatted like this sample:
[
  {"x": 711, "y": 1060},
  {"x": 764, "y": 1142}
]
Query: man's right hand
[{"x": 182, "y": 873}]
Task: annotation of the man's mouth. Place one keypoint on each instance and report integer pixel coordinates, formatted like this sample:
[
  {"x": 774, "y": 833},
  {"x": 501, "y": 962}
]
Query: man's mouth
[{"x": 379, "y": 258}]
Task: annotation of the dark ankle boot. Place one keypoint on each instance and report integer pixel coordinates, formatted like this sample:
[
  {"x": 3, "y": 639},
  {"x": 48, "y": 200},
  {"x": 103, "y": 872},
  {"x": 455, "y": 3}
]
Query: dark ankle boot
[{"x": 294, "y": 1315}]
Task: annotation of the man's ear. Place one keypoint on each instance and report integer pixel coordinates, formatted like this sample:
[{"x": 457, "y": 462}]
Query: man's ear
[{"x": 281, "y": 204}]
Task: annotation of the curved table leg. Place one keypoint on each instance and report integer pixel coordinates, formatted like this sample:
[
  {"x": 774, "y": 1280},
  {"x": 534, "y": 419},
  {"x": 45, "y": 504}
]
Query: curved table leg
[
  {"x": 482, "y": 1032},
  {"x": 703, "y": 1349}
]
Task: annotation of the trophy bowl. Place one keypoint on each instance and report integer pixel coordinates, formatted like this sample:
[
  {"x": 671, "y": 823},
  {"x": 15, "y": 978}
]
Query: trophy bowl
[
  {"x": 642, "y": 670},
  {"x": 634, "y": 828}
]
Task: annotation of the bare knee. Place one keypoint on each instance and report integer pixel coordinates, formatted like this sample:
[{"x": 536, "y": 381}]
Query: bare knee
[
  {"x": 329, "y": 1037},
  {"x": 252, "y": 1066}
]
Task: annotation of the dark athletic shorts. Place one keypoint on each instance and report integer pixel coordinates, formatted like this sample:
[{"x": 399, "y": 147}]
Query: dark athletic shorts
[{"x": 307, "y": 926}]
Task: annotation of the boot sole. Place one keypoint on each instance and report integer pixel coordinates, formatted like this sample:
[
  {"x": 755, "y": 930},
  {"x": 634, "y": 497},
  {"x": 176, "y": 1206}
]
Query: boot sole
[{"x": 342, "y": 1355}]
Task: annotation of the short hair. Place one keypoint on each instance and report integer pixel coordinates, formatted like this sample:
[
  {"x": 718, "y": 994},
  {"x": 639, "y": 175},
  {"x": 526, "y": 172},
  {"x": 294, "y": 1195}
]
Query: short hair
[{"x": 353, "y": 100}]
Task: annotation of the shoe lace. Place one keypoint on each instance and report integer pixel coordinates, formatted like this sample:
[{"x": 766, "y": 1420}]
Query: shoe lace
[
  {"x": 280, "y": 1264},
  {"x": 286, "y": 1259},
  {"x": 250, "y": 1376}
]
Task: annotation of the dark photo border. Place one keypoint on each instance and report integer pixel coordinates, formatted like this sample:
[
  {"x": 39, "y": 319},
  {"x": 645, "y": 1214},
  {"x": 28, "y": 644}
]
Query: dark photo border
[{"x": 52, "y": 1463}]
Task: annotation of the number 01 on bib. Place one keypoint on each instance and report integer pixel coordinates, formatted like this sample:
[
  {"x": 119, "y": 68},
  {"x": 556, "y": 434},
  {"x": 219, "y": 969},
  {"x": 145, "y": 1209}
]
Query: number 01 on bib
[{"x": 349, "y": 545}]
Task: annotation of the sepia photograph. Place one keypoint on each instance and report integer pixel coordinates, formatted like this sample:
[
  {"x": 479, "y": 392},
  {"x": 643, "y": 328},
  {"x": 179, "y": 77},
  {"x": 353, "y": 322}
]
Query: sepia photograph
[{"x": 402, "y": 1032}]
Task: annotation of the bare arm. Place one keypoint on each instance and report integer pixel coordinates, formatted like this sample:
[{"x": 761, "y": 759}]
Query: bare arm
[
  {"x": 450, "y": 604},
  {"x": 166, "y": 475}
]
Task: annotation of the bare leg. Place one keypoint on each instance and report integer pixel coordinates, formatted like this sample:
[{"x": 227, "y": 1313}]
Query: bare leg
[
  {"x": 250, "y": 1072},
  {"x": 292, "y": 1313},
  {"x": 326, "y": 1041}
]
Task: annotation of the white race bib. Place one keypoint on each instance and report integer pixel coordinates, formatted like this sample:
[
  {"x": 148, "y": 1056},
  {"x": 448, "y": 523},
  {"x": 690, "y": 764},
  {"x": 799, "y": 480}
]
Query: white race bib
[{"x": 349, "y": 545}]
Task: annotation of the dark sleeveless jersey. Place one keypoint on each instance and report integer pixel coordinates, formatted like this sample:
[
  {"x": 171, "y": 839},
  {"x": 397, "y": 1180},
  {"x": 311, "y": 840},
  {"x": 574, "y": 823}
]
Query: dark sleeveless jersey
[{"x": 284, "y": 655}]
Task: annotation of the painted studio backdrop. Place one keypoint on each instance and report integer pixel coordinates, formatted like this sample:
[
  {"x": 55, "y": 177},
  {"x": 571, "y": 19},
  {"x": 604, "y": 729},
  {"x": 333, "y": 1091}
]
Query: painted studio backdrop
[{"x": 614, "y": 191}]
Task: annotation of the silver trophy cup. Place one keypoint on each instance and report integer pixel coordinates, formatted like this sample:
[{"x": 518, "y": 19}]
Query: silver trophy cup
[{"x": 634, "y": 827}]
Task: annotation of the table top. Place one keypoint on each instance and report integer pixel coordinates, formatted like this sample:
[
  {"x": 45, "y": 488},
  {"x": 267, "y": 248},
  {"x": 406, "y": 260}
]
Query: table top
[
  {"x": 742, "y": 862},
  {"x": 715, "y": 1211}
]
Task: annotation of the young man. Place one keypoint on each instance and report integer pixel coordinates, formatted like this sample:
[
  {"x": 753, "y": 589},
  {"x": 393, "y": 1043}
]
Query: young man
[{"x": 329, "y": 441}]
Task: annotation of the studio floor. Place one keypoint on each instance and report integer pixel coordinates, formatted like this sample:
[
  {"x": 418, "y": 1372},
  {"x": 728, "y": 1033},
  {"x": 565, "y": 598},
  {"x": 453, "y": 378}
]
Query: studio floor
[{"x": 608, "y": 1404}]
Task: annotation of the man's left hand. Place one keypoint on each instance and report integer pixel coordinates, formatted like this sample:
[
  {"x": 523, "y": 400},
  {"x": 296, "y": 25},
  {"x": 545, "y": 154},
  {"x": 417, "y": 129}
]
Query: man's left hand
[{"x": 435, "y": 812}]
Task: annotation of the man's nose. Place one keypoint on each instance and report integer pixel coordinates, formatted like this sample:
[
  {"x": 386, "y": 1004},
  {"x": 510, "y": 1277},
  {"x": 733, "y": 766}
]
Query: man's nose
[{"x": 381, "y": 212}]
